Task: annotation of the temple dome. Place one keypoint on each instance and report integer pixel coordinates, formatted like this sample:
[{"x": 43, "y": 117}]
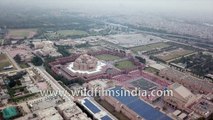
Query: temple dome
[{"x": 85, "y": 62}]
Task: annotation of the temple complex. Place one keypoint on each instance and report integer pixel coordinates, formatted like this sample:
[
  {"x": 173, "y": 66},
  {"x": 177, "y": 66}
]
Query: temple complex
[{"x": 85, "y": 63}]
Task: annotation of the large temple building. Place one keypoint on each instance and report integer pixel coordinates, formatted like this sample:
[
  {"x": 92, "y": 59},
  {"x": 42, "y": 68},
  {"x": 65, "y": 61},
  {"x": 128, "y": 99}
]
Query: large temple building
[
  {"x": 86, "y": 64},
  {"x": 94, "y": 65}
]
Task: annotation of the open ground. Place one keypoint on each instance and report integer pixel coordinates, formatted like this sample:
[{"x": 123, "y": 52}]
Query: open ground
[
  {"x": 150, "y": 47},
  {"x": 172, "y": 55},
  {"x": 107, "y": 57},
  {"x": 125, "y": 64},
  {"x": 4, "y": 62},
  {"x": 21, "y": 33}
]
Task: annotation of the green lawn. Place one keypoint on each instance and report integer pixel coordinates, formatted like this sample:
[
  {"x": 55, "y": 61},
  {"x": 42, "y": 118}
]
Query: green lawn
[
  {"x": 126, "y": 64},
  {"x": 4, "y": 62},
  {"x": 107, "y": 57},
  {"x": 21, "y": 33},
  {"x": 174, "y": 54},
  {"x": 150, "y": 47}
]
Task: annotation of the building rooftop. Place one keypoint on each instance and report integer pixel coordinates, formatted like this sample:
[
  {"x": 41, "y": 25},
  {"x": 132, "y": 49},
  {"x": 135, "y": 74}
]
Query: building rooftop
[
  {"x": 55, "y": 116},
  {"x": 176, "y": 112},
  {"x": 66, "y": 105},
  {"x": 44, "y": 102},
  {"x": 48, "y": 112},
  {"x": 182, "y": 116},
  {"x": 192, "y": 82},
  {"x": 81, "y": 116},
  {"x": 97, "y": 111},
  {"x": 99, "y": 83},
  {"x": 106, "y": 117},
  {"x": 140, "y": 107},
  {"x": 9, "y": 112},
  {"x": 157, "y": 66},
  {"x": 91, "y": 106},
  {"x": 182, "y": 91},
  {"x": 203, "y": 107}
]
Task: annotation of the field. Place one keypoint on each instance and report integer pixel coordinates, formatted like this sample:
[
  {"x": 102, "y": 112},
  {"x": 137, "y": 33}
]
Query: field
[
  {"x": 125, "y": 64},
  {"x": 132, "y": 40},
  {"x": 21, "y": 33},
  {"x": 150, "y": 47},
  {"x": 172, "y": 55},
  {"x": 64, "y": 33},
  {"x": 4, "y": 62},
  {"x": 143, "y": 84},
  {"x": 107, "y": 57}
]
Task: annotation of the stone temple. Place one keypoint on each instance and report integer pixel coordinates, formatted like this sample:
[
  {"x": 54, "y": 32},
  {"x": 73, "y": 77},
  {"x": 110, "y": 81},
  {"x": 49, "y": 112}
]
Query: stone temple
[{"x": 85, "y": 63}]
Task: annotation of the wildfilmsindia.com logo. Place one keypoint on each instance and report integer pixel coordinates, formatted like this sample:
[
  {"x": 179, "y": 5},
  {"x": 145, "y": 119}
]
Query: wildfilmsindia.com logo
[{"x": 102, "y": 92}]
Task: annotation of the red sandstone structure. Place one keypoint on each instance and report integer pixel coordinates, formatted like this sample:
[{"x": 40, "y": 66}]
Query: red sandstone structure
[
  {"x": 59, "y": 66},
  {"x": 85, "y": 62}
]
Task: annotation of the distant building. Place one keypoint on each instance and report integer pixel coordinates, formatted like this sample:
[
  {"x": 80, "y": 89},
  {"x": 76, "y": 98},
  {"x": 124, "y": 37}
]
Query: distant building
[
  {"x": 182, "y": 97},
  {"x": 193, "y": 83},
  {"x": 42, "y": 44},
  {"x": 46, "y": 48}
]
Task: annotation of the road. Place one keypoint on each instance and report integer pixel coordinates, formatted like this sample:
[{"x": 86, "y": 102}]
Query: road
[
  {"x": 12, "y": 60},
  {"x": 55, "y": 84}
]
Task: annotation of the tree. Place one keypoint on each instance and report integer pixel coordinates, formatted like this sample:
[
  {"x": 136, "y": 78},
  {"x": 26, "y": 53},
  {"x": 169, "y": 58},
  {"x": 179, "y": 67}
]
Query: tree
[
  {"x": 37, "y": 61},
  {"x": 17, "y": 58},
  {"x": 12, "y": 83},
  {"x": 142, "y": 60},
  {"x": 63, "y": 50}
]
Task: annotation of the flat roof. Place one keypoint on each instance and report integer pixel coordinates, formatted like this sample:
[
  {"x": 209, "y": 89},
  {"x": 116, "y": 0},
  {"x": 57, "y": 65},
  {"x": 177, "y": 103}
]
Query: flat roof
[
  {"x": 9, "y": 112},
  {"x": 181, "y": 90},
  {"x": 106, "y": 117},
  {"x": 91, "y": 106},
  {"x": 157, "y": 66},
  {"x": 176, "y": 112},
  {"x": 55, "y": 116},
  {"x": 138, "y": 106},
  {"x": 143, "y": 84},
  {"x": 182, "y": 116}
]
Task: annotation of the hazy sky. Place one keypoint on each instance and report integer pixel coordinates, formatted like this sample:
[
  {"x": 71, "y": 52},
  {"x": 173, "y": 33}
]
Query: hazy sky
[{"x": 199, "y": 8}]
